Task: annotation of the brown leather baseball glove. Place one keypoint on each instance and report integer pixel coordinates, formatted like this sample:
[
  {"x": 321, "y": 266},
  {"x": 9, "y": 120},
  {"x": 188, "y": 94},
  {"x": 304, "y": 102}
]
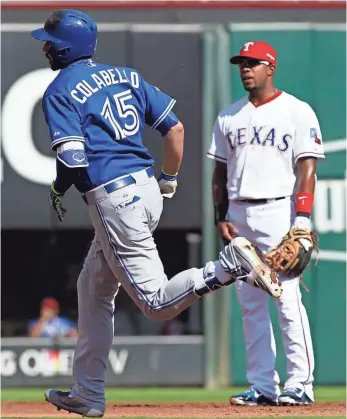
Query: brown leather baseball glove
[{"x": 293, "y": 254}]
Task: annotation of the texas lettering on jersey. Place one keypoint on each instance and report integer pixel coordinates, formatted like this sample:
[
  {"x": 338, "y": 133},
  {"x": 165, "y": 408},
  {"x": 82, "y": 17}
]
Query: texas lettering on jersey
[
  {"x": 261, "y": 145},
  {"x": 262, "y": 136}
]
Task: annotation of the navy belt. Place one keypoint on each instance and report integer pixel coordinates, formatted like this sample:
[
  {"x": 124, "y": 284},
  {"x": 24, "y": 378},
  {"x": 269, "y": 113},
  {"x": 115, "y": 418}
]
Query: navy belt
[
  {"x": 125, "y": 181},
  {"x": 260, "y": 201}
]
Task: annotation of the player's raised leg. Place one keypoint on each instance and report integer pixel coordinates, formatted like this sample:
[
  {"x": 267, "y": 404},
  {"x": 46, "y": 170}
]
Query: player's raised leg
[{"x": 133, "y": 257}]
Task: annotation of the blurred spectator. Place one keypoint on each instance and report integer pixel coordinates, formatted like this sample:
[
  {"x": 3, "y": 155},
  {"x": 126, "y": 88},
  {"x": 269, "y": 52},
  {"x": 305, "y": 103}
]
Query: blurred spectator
[{"x": 50, "y": 324}]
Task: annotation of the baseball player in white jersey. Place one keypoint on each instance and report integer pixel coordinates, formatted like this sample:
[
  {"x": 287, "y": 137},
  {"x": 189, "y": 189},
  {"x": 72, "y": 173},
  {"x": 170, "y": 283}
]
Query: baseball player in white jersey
[{"x": 265, "y": 148}]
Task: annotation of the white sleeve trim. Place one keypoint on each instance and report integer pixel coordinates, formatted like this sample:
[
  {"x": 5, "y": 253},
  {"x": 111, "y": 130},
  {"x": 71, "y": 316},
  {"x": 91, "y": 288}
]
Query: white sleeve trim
[
  {"x": 309, "y": 154},
  {"x": 68, "y": 138},
  {"x": 214, "y": 157},
  {"x": 164, "y": 114},
  {"x": 70, "y": 145}
]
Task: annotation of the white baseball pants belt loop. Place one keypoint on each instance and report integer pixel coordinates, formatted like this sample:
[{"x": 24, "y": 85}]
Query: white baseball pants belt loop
[
  {"x": 260, "y": 201},
  {"x": 102, "y": 191}
]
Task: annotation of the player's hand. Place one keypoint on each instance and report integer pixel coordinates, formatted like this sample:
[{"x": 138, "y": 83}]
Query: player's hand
[
  {"x": 303, "y": 223},
  {"x": 56, "y": 200},
  {"x": 227, "y": 231},
  {"x": 167, "y": 184}
]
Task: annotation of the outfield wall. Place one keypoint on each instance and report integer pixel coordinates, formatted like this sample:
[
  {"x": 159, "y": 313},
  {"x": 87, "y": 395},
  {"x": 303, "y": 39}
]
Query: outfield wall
[{"x": 133, "y": 361}]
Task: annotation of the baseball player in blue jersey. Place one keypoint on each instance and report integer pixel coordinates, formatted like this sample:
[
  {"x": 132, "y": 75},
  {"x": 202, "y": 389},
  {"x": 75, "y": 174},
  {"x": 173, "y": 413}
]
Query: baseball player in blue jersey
[{"x": 96, "y": 115}]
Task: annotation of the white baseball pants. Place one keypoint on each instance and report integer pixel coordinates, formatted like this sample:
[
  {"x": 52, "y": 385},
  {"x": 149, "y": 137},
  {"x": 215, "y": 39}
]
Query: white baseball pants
[{"x": 265, "y": 225}]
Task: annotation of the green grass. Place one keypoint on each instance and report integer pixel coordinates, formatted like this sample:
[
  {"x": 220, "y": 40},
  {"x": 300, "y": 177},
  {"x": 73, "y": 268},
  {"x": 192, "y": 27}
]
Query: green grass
[{"x": 169, "y": 395}]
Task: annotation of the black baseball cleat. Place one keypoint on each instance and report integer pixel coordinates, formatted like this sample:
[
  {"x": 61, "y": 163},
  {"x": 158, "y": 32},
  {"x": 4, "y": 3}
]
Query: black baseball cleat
[{"x": 64, "y": 400}]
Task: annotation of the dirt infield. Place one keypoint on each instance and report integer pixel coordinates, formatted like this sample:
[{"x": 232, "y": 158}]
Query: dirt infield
[{"x": 177, "y": 410}]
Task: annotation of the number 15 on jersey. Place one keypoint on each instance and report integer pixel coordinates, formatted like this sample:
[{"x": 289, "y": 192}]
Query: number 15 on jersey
[{"x": 124, "y": 109}]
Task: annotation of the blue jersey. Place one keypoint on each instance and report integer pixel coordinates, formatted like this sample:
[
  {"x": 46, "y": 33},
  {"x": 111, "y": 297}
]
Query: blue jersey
[
  {"x": 106, "y": 109},
  {"x": 58, "y": 326}
]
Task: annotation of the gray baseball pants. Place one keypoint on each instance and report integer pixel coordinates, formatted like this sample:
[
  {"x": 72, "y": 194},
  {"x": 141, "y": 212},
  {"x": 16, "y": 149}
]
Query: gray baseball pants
[{"x": 124, "y": 253}]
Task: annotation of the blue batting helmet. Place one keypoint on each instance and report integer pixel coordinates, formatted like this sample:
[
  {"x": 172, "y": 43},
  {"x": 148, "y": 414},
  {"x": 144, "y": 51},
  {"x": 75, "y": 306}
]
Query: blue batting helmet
[{"x": 72, "y": 34}]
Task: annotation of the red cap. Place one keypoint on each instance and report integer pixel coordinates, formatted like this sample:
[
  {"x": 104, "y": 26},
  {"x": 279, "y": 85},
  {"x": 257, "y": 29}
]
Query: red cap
[
  {"x": 50, "y": 303},
  {"x": 256, "y": 49}
]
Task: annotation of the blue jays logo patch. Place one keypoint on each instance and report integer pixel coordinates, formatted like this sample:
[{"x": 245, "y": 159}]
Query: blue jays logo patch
[
  {"x": 314, "y": 136},
  {"x": 79, "y": 156}
]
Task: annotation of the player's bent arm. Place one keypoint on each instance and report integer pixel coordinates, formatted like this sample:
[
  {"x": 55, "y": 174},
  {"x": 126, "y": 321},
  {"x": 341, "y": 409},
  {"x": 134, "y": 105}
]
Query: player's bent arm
[
  {"x": 70, "y": 157},
  {"x": 64, "y": 179},
  {"x": 219, "y": 191},
  {"x": 306, "y": 182},
  {"x": 173, "y": 149},
  {"x": 226, "y": 229},
  {"x": 160, "y": 116}
]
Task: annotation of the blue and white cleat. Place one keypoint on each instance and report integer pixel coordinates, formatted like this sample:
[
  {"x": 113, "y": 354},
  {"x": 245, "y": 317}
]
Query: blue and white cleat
[
  {"x": 251, "y": 397},
  {"x": 292, "y": 397},
  {"x": 63, "y": 400}
]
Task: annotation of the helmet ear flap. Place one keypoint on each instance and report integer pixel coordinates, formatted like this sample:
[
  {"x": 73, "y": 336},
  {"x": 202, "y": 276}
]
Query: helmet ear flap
[
  {"x": 56, "y": 56},
  {"x": 63, "y": 52}
]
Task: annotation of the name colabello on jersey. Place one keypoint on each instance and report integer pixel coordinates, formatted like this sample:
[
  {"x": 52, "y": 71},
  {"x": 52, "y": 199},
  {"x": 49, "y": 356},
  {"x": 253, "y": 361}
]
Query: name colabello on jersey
[{"x": 98, "y": 80}]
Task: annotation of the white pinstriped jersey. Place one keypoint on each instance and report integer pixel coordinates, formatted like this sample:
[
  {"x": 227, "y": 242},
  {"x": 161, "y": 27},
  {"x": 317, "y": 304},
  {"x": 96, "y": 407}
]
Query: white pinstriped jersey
[{"x": 261, "y": 145}]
